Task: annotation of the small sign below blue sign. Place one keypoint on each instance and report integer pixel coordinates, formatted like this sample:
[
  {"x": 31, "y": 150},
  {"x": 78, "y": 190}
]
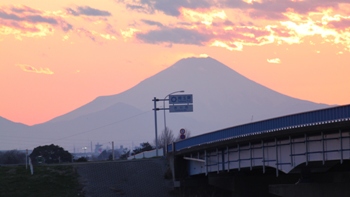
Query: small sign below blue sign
[{"x": 180, "y": 108}]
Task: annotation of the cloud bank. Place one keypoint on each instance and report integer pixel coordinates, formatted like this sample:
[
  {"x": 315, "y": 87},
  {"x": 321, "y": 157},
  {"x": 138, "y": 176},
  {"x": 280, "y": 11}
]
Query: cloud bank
[
  {"x": 233, "y": 24},
  {"x": 29, "y": 68}
]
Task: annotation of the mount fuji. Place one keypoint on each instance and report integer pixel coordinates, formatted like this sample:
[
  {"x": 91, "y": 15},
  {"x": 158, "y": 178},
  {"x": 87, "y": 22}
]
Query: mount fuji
[{"x": 221, "y": 98}]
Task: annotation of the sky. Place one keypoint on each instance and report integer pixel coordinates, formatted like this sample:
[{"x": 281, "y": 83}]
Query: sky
[{"x": 57, "y": 56}]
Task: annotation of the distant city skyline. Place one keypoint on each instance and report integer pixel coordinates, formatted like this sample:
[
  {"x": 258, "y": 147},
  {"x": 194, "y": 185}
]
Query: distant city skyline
[{"x": 58, "y": 56}]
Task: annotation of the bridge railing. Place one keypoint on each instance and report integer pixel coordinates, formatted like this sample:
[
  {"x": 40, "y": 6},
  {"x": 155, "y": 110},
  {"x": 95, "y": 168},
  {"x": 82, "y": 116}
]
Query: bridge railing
[{"x": 339, "y": 113}]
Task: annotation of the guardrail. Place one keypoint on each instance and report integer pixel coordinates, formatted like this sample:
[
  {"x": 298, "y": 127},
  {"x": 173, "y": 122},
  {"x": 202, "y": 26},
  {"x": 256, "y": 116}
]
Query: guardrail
[{"x": 323, "y": 116}]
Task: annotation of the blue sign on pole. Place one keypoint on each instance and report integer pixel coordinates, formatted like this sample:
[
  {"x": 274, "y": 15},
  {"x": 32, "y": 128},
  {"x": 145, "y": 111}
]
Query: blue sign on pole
[{"x": 180, "y": 99}]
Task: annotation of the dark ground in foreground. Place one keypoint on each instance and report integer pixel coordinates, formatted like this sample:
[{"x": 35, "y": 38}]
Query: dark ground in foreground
[
  {"x": 47, "y": 180},
  {"x": 144, "y": 177}
]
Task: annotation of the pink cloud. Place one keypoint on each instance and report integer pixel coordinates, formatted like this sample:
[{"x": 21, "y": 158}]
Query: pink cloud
[
  {"x": 342, "y": 24},
  {"x": 24, "y": 21},
  {"x": 86, "y": 33}
]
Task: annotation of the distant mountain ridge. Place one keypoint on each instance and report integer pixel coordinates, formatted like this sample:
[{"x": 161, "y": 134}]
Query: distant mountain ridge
[
  {"x": 176, "y": 77},
  {"x": 214, "y": 86},
  {"x": 221, "y": 98}
]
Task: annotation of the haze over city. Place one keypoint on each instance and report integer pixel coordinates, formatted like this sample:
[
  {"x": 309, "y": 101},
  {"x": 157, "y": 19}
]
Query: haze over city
[{"x": 58, "y": 56}]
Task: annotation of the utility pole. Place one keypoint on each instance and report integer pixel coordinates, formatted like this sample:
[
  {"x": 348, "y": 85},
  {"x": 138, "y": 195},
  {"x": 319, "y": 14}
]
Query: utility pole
[
  {"x": 112, "y": 150},
  {"x": 155, "y": 122},
  {"x": 26, "y": 158}
]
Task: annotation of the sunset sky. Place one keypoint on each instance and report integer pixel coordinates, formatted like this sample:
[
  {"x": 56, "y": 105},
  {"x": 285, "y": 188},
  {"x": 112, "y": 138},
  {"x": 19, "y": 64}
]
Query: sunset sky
[{"x": 59, "y": 55}]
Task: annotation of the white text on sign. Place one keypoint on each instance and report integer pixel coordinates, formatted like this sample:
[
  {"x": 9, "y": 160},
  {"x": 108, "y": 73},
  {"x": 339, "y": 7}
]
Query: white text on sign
[
  {"x": 181, "y": 108},
  {"x": 180, "y": 99}
]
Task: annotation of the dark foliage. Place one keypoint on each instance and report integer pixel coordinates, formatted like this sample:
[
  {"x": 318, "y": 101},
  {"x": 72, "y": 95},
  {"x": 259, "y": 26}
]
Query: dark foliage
[
  {"x": 82, "y": 159},
  {"x": 47, "y": 181},
  {"x": 51, "y": 154},
  {"x": 125, "y": 155},
  {"x": 12, "y": 157},
  {"x": 145, "y": 146},
  {"x": 108, "y": 155}
]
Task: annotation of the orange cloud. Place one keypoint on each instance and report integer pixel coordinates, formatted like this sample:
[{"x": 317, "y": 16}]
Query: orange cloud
[
  {"x": 108, "y": 36},
  {"x": 205, "y": 17},
  {"x": 259, "y": 23},
  {"x": 331, "y": 27},
  {"x": 252, "y": 1},
  {"x": 228, "y": 45},
  {"x": 203, "y": 55},
  {"x": 274, "y": 61},
  {"x": 129, "y": 33},
  {"x": 28, "y": 68}
]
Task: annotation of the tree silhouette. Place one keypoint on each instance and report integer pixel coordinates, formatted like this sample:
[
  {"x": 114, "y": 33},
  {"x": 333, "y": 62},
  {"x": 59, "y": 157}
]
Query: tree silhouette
[
  {"x": 82, "y": 159},
  {"x": 165, "y": 138},
  {"x": 51, "y": 154},
  {"x": 125, "y": 155},
  {"x": 12, "y": 157},
  {"x": 145, "y": 146}
]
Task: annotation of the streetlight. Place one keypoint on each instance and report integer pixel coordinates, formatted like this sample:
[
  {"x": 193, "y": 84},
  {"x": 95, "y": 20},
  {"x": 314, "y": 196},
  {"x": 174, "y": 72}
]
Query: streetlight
[
  {"x": 164, "y": 104},
  {"x": 164, "y": 109},
  {"x": 155, "y": 115}
]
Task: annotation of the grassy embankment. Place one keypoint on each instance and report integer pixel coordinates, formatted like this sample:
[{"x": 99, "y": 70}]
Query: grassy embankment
[{"x": 60, "y": 180}]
